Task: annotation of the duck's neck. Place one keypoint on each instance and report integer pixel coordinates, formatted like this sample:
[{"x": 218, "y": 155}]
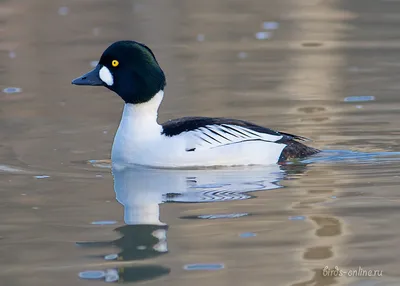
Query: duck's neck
[{"x": 140, "y": 120}]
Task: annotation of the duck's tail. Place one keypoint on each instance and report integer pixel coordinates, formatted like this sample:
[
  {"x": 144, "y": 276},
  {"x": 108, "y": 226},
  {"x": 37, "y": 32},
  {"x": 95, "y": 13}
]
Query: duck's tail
[{"x": 296, "y": 150}]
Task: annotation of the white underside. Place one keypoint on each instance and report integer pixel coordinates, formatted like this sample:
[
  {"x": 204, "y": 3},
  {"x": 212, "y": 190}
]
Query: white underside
[{"x": 139, "y": 141}]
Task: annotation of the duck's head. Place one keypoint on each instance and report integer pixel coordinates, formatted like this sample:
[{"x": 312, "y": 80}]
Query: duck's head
[{"x": 128, "y": 68}]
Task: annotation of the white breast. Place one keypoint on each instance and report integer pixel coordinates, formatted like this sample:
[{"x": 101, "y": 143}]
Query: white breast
[{"x": 138, "y": 139}]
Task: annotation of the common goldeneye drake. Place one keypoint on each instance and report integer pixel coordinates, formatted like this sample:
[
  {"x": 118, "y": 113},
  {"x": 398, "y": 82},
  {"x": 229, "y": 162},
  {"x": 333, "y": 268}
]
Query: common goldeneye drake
[{"x": 131, "y": 70}]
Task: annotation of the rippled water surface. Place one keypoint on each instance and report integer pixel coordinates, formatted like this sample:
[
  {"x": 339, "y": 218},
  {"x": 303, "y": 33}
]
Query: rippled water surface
[{"x": 324, "y": 69}]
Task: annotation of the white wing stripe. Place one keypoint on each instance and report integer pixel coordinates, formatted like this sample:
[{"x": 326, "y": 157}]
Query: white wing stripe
[
  {"x": 216, "y": 135},
  {"x": 241, "y": 130},
  {"x": 255, "y": 133},
  {"x": 209, "y": 134},
  {"x": 246, "y": 131},
  {"x": 231, "y": 129},
  {"x": 217, "y": 131},
  {"x": 200, "y": 137},
  {"x": 226, "y": 131},
  {"x": 212, "y": 136},
  {"x": 251, "y": 133}
]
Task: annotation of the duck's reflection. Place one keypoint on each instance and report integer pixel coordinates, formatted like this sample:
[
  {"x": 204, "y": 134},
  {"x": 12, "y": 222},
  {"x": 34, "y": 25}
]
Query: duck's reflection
[{"x": 142, "y": 190}]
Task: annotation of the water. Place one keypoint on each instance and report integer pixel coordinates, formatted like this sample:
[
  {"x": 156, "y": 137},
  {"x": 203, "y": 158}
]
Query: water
[{"x": 329, "y": 72}]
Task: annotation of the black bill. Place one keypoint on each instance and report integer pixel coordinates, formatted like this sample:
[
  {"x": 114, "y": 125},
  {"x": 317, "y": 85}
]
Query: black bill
[{"x": 91, "y": 78}]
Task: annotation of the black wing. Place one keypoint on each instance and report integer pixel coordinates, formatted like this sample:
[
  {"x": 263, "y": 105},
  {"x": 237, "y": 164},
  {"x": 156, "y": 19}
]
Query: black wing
[
  {"x": 215, "y": 132},
  {"x": 186, "y": 124}
]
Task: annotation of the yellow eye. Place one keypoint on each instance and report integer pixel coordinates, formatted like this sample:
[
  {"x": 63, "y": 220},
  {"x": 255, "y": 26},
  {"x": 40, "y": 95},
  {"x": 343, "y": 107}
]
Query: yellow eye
[{"x": 115, "y": 63}]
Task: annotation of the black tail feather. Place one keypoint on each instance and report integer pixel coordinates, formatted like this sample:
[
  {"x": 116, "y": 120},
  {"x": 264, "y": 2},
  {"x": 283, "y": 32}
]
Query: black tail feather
[
  {"x": 295, "y": 150},
  {"x": 297, "y": 137}
]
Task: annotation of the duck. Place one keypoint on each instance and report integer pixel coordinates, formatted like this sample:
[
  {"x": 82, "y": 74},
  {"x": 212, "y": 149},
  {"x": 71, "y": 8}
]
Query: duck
[{"x": 131, "y": 70}]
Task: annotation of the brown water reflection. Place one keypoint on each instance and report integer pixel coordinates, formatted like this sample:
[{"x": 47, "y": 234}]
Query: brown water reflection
[{"x": 327, "y": 213}]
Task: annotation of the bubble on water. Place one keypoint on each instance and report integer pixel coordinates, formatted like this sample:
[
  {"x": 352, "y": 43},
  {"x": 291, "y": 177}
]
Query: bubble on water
[
  {"x": 297, "y": 217},
  {"x": 333, "y": 197},
  {"x": 42, "y": 177},
  {"x": 12, "y": 55},
  {"x": 35, "y": 208},
  {"x": 141, "y": 247},
  {"x": 111, "y": 256},
  {"x": 359, "y": 106},
  {"x": 94, "y": 63},
  {"x": 263, "y": 35},
  {"x": 360, "y": 98},
  {"x": 201, "y": 37},
  {"x": 247, "y": 234},
  {"x": 99, "y": 176},
  {"x": 105, "y": 132},
  {"x": 12, "y": 90},
  {"x": 63, "y": 11},
  {"x": 104, "y": 222},
  {"x": 92, "y": 274},
  {"x": 242, "y": 55},
  {"x": 270, "y": 25},
  {"x": 204, "y": 266}
]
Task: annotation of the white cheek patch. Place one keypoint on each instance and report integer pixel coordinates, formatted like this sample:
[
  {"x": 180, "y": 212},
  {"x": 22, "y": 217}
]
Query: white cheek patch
[{"x": 106, "y": 76}]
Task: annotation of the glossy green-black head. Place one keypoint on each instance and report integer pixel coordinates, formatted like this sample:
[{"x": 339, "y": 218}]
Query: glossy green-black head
[{"x": 128, "y": 68}]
